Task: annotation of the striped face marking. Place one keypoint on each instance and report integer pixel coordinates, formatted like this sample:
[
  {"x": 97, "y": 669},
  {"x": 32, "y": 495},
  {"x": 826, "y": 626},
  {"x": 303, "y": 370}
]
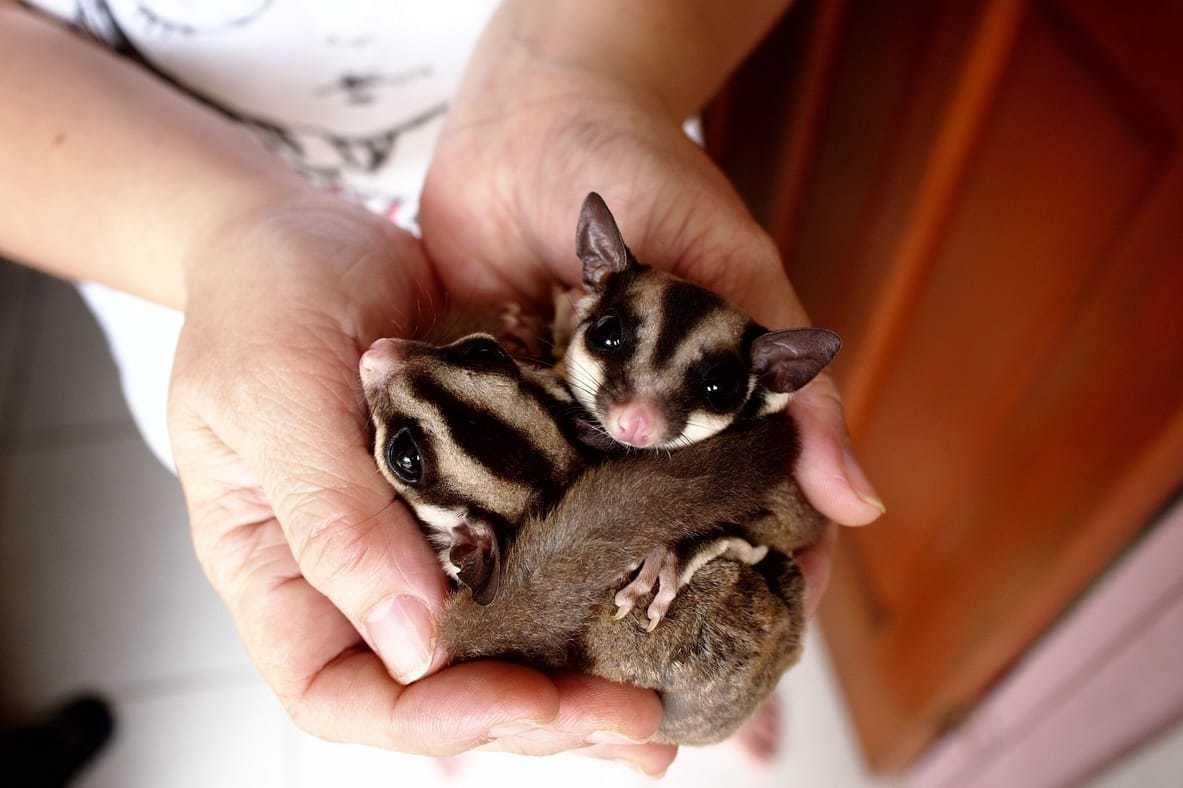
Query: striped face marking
[
  {"x": 663, "y": 363},
  {"x": 485, "y": 439},
  {"x": 653, "y": 349}
]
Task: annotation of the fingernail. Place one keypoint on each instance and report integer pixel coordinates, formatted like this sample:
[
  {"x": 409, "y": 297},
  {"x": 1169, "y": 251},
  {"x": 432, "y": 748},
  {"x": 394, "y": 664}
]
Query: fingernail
[
  {"x": 611, "y": 737},
  {"x": 636, "y": 767},
  {"x": 516, "y": 728},
  {"x": 653, "y": 775},
  {"x": 403, "y": 633},
  {"x": 860, "y": 483}
]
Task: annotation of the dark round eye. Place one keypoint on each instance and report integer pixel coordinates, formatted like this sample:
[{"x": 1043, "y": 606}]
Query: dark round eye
[
  {"x": 606, "y": 334},
  {"x": 402, "y": 455},
  {"x": 482, "y": 350},
  {"x": 724, "y": 385}
]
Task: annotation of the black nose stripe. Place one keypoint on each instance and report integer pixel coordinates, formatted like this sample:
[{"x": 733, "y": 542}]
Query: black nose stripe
[{"x": 683, "y": 308}]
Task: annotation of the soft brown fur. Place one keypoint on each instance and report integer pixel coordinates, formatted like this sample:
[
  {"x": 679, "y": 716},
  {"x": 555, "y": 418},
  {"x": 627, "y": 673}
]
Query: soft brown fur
[{"x": 730, "y": 633}]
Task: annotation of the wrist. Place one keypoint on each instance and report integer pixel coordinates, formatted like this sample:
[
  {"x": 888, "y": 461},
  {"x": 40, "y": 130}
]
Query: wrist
[
  {"x": 309, "y": 252},
  {"x": 676, "y": 52},
  {"x": 529, "y": 58}
]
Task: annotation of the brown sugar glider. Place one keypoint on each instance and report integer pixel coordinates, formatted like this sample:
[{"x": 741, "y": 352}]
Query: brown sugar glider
[
  {"x": 662, "y": 363},
  {"x": 541, "y": 532}
]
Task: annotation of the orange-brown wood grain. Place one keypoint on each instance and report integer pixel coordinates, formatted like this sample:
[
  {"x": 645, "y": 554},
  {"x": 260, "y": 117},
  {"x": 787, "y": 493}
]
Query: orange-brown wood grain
[{"x": 999, "y": 236}]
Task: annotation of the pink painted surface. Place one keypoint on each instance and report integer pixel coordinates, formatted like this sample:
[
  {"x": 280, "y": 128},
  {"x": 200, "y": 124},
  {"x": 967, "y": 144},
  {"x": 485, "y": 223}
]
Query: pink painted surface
[{"x": 1106, "y": 678}]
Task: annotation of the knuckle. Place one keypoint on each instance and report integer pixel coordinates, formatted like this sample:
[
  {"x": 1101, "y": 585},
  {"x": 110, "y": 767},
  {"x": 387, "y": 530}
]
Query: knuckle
[{"x": 300, "y": 712}]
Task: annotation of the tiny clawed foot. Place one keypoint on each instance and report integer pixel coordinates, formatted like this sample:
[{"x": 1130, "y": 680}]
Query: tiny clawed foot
[
  {"x": 520, "y": 332},
  {"x": 667, "y": 589},
  {"x": 641, "y": 586},
  {"x": 625, "y": 600}
]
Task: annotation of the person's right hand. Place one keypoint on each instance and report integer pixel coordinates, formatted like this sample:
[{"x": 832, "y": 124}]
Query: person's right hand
[{"x": 333, "y": 588}]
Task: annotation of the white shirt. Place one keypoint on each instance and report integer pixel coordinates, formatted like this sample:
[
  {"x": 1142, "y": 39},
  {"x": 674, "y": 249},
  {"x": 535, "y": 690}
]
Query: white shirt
[{"x": 351, "y": 92}]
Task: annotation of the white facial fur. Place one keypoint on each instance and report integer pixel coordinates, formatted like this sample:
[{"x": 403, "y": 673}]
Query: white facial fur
[{"x": 586, "y": 374}]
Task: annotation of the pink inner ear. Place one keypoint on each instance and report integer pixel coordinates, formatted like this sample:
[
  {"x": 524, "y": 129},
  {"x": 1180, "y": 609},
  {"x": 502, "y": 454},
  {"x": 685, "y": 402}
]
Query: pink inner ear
[
  {"x": 598, "y": 242},
  {"x": 787, "y": 360},
  {"x": 477, "y": 555}
]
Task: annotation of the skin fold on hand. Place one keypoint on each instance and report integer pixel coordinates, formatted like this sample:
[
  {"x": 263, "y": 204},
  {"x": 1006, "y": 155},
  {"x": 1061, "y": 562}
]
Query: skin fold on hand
[{"x": 298, "y": 531}]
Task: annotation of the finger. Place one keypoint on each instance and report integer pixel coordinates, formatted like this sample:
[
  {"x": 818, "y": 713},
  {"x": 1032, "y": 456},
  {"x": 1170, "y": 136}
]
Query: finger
[
  {"x": 591, "y": 711},
  {"x": 329, "y": 682},
  {"x": 652, "y": 760},
  {"x": 814, "y": 563},
  {"x": 351, "y": 540},
  {"x": 354, "y": 699},
  {"x": 827, "y": 471},
  {"x": 759, "y": 738}
]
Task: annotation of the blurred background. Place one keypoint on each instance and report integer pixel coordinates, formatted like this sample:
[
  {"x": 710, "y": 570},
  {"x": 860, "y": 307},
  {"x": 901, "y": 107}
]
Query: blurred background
[{"x": 986, "y": 200}]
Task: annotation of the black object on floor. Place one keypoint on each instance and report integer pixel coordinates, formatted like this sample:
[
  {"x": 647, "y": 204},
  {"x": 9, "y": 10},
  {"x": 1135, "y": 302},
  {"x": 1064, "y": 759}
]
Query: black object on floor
[{"x": 50, "y": 754}]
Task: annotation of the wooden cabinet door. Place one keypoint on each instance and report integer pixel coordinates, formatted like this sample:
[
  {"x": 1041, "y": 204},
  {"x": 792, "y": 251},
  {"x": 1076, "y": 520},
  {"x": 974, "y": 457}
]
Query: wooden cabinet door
[{"x": 987, "y": 202}]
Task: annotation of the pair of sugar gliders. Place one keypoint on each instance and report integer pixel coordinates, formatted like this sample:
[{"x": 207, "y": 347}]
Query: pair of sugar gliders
[{"x": 629, "y": 511}]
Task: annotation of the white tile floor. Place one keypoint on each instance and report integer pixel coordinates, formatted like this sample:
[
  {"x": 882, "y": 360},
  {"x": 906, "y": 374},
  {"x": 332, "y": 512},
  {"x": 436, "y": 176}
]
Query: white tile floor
[{"x": 100, "y": 591}]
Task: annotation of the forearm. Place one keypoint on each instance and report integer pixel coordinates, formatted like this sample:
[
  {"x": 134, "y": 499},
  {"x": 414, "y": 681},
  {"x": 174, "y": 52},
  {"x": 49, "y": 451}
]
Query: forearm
[
  {"x": 108, "y": 173},
  {"x": 679, "y": 50}
]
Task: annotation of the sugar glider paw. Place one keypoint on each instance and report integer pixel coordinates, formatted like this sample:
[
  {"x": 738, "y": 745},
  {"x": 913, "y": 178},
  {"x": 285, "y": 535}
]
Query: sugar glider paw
[
  {"x": 674, "y": 574},
  {"x": 667, "y": 591},
  {"x": 642, "y": 585},
  {"x": 664, "y": 570},
  {"x": 566, "y": 318},
  {"x": 732, "y": 547},
  {"x": 660, "y": 569},
  {"x": 522, "y": 333}
]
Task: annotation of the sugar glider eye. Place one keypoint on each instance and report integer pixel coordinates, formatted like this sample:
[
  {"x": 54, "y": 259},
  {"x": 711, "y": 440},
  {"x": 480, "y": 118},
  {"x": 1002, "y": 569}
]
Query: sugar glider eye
[
  {"x": 482, "y": 350},
  {"x": 723, "y": 385},
  {"x": 606, "y": 334},
  {"x": 402, "y": 456}
]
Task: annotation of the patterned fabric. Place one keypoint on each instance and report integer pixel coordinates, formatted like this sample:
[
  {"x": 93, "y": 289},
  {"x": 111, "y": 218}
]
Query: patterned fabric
[{"x": 350, "y": 92}]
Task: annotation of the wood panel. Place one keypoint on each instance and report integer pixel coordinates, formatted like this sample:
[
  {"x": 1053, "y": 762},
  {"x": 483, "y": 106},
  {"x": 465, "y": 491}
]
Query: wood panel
[{"x": 992, "y": 215}]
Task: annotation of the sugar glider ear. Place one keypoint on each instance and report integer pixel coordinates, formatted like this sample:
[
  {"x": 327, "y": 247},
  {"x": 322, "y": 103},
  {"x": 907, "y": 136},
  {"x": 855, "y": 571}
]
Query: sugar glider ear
[
  {"x": 598, "y": 243},
  {"x": 477, "y": 556},
  {"x": 786, "y": 360}
]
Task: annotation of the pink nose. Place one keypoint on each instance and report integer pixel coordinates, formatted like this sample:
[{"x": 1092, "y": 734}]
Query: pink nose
[
  {"x": 381, "y": 359},
  {"x": 636, "y": 424}
]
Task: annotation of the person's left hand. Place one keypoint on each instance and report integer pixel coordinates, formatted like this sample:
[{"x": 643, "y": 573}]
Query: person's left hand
[{"x": 332, "y": 586}]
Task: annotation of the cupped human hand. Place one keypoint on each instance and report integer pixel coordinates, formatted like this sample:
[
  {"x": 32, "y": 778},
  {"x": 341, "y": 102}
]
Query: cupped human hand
[
  {"x": 331, "y": 585},
  {"x": 499, "y": 211}
]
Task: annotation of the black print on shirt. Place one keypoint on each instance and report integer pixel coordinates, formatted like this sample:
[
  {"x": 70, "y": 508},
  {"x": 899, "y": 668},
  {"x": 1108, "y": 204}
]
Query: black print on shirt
[
  {"x": 157, "y": 21},
  {"x": 326, "y": 157}
]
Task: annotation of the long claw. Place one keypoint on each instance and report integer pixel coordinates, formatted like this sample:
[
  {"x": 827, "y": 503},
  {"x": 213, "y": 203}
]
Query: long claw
[
  {"x": 667, "y": 590},
  {"x": 624, "y": 604},
  {"x": 627, "y": 597}
]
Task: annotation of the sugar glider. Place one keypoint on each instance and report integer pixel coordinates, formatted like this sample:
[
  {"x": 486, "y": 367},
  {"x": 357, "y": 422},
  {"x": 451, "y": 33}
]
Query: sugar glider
[
  {"x": 542, "y": 535},
  {"x": 662, "y": 363}
]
